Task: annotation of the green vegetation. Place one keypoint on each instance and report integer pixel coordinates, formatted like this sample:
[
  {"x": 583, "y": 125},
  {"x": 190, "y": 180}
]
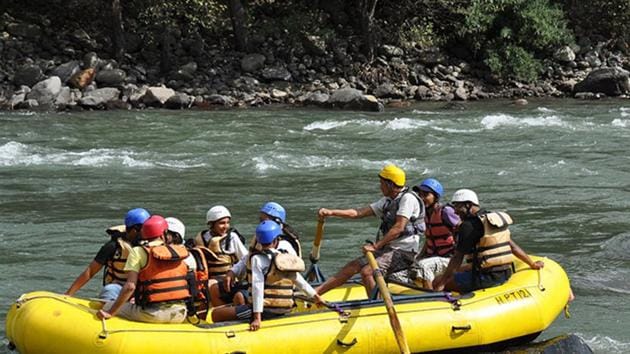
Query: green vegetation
[{"x": 509, "y": 37}]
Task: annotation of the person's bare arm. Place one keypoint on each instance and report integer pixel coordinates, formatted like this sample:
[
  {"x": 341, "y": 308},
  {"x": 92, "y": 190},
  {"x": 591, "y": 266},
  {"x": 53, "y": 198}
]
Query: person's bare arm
[{"x": 84, "y": 277}]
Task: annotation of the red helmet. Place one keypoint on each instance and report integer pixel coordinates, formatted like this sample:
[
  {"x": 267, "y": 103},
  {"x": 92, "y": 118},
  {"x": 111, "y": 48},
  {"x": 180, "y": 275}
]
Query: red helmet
[{"x": 154, "y": 227}]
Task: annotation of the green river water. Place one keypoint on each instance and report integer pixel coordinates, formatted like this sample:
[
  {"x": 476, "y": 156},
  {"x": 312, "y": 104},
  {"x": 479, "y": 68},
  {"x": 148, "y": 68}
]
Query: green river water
[{"x": 560, "y": 168}]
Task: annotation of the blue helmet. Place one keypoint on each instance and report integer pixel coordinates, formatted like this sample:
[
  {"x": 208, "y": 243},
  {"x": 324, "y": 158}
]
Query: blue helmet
[
  {"x": 274, "y": 210},
  {"x": 432, "y": 185},
  {"x": 136, "y": 216},
  {"x": 267, "y": 231}
]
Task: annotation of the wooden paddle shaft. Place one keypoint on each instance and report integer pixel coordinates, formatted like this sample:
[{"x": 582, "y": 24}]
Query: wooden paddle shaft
[
  {"x": 389, "y": 304},
  {"x": 318, "y": 240}
]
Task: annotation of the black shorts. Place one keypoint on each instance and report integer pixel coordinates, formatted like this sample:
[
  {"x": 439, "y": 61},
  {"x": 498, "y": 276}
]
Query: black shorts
[{"x": 228, "y": 296}]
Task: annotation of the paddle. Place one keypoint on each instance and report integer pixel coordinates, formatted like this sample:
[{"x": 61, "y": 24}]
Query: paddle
[
  {"x": 314, "y": 275},
  {"x": 389, "y": 304}
]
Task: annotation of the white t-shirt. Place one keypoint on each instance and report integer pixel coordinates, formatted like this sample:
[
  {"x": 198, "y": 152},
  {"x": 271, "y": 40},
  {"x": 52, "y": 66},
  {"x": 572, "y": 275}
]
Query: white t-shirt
[{"x": 409, "y": 207}]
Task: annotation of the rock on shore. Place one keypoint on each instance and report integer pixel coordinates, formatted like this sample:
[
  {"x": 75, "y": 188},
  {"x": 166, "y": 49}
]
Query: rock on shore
[{"x": 72, "y": 73}]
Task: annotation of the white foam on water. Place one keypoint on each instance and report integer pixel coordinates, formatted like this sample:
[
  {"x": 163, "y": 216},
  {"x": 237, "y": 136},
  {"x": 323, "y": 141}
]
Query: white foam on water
[
  {"x": 545, "y": 110},
  {"x": 498, "y": 120},
  {"x": 606, "y": 344},
  {"x": 395, "y": 124},
  {"x": 18, "y": 154},
  {"x": 415, "y": 111},
  {"x": 325, "y": 125},
  {"x": 622, "y": 123},
  {"x": 262, "y": 165},
  {"x": 406, "y": 123}
]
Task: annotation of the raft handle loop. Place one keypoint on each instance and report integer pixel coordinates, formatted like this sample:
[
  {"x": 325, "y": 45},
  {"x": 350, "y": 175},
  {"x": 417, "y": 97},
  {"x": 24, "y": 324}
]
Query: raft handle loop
[
  {"x": 347, "y": 345},
  {"x": 540, "y": 286},
  {"x": 461, "y": 328},
  {"x": 104, "y": 333},
  {"x": 230, "y": 334},
  {"x": 567, "y": 314}
]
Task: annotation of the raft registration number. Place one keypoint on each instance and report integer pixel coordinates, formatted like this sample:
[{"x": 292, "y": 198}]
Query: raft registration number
[{"x": 513, "y": 296}]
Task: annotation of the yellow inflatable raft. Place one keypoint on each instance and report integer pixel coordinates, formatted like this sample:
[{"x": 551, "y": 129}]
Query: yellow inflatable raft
[{"x": 44, "y": 322}]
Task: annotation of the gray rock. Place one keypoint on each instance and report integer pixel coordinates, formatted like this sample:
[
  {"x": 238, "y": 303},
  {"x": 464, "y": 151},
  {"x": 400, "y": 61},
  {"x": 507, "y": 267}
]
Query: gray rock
[
  {"x": 110, "y": 78},
  {"x": 388, "y": 91},
  {"x": 156, "y": 96},
  {"x": 314, "y": 45},
  {"x": 252, "y": 62},
  {"x": 348, "y": 98},
  {"x": 186, "y": 72},
  {"x": 391, "y": 51},
  {"x": 24, "y": 30},
  {"x": 316, "y": 98},
  {"x": 100, "y": 97},
  {"x": 610, "y": 81},
  {"x": 45, "y": 92},
  {"x": 276, "y": 74},
  {"x": 28, "y": 104},
  {"x": 564, "y": 54},
  {"x": 83, "y": 38},
  {"x": 64, "y": 98},
  {"x": 275, "y": 93},
  {"x": 16, "y": 100},
  {"x": 133, "y": 93},
  {"x": 66, "y": 70},
  {"x": 90, "y": 60},
  {"x": 179, "y": 100},
  {"x": 28, "y": 75},
  {"x": 461, "y": 94},
  {"x": 222, "y": 100}
]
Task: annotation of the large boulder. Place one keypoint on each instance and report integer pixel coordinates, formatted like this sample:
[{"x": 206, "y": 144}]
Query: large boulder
[
  {"x": 110, "y": 78},
  {"x": 66, "y": 70},
  {"x": 100, "y": 97},
  {"x": 28, "y": 75},
  {"x": 252, "y": 62},
  {"x": 45, "y": 91},
  {"x": 276, "y": 74},
  {"x": 610, "y": 81},
  {"x": 349, "y": 98},
  {"x": 156, "y": 96}
]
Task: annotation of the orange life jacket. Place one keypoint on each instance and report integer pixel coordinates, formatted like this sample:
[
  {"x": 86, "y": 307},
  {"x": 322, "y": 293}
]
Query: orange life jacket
[
  {"x": 439, "y": 236},
  {"x": 163, "y": 278},
  {"x": 200, "y": 292},
  {"x": 114, "y": 268}
]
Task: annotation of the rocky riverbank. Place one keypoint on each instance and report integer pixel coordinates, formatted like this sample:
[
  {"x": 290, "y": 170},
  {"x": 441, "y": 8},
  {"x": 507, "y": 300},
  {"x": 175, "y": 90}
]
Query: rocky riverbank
[{"x": 41, "y": 69}]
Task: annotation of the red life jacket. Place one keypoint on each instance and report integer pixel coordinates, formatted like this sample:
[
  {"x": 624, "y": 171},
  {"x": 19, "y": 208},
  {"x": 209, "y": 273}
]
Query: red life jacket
[
  {"x": 163, "y": 278},
  {"x": 439, "y": 236}
]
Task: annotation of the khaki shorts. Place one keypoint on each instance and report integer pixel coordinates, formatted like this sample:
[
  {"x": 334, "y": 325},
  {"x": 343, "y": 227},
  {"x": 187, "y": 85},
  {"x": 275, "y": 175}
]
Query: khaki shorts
[
  {"x": 390, "y": 260},
  {"x": 159, "y": 313},
  {"x": 428, "y": 268}
]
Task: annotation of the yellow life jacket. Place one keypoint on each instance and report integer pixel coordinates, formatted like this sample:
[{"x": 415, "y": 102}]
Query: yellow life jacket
[
  {"x": 493, "y": 251},
  {"x": 114, "y": 268},
  {"x": 218, "y": 261},
  {"x": 279, "y": 283}
]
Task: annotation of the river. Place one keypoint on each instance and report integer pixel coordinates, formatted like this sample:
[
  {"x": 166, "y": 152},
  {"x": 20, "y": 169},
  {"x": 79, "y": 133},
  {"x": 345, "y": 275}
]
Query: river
[{"x": 561, "y": 168}]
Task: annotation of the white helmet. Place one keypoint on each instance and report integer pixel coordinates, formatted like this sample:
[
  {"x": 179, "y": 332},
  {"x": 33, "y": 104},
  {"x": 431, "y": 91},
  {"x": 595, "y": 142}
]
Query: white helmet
[
  {"x": 175, "y": 225},
  {"x": 465, "y": 195},
  {"x": 217, "y": 212}
]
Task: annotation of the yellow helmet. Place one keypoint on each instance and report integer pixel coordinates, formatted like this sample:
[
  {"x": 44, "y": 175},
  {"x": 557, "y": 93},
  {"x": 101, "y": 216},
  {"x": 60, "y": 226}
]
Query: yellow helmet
[{"x": 393, "y": 173}]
